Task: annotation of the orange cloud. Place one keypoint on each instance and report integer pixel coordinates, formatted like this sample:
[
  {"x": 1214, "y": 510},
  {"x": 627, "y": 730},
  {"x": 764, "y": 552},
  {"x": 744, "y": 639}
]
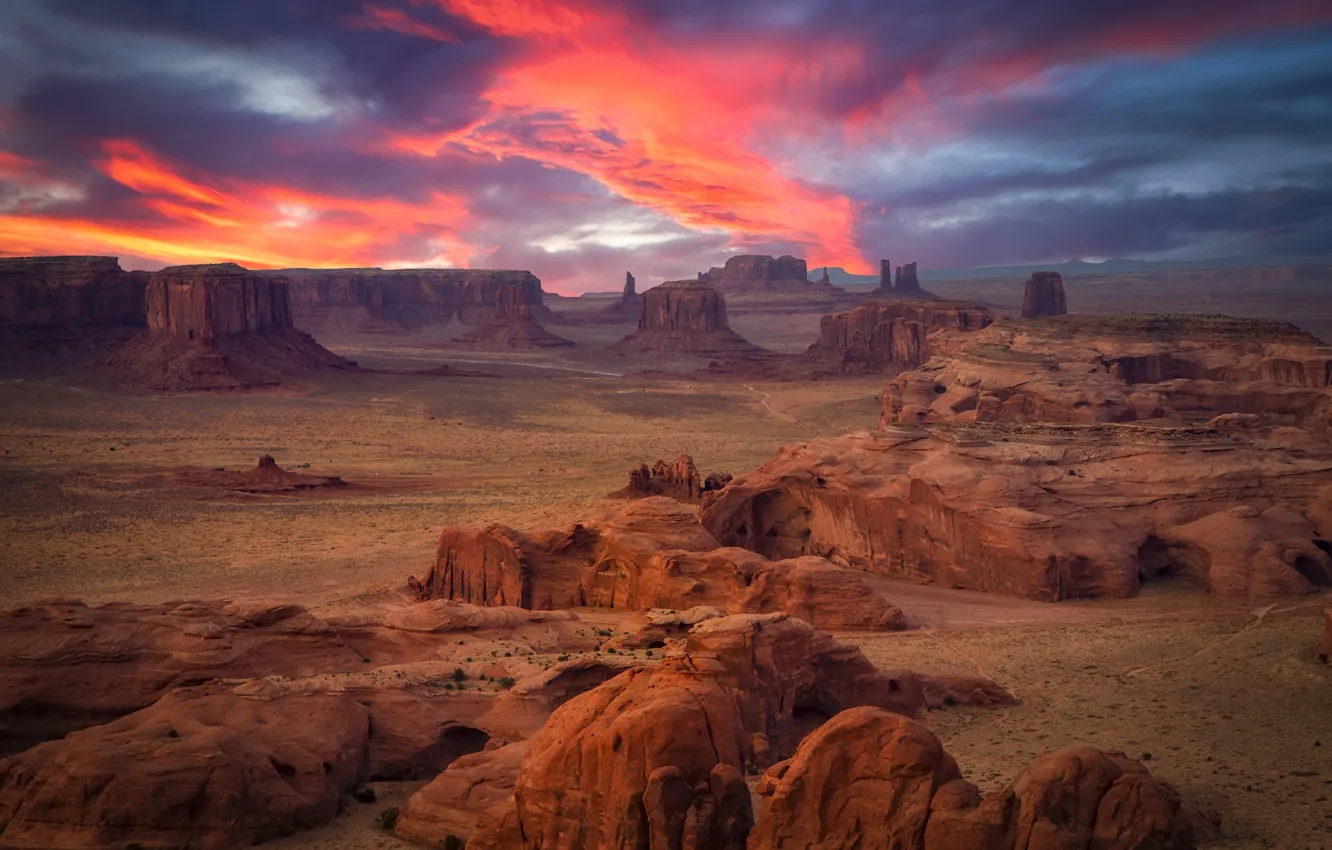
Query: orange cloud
[{"x": 206, "y": 219}]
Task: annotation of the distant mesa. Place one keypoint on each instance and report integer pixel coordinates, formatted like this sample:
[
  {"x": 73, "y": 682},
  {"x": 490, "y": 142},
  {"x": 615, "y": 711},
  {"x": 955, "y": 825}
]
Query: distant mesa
[
  {"x": 219, "y": 327},
  {"x": 397, "y": 299},
  {"x": 69, "y": 303},
  {"x": 684, "y": 317},
  {"x": 1044, "y": 296},
  {"x": 758, "y": 282},
  {"x": 888, "y": 336},
  {"x": 680, "y": 481},
  {"x": 512, "y": 325}
]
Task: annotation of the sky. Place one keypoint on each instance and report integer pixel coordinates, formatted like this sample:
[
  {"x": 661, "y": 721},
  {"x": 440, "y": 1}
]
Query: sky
[{"x": 580, "y": 139}]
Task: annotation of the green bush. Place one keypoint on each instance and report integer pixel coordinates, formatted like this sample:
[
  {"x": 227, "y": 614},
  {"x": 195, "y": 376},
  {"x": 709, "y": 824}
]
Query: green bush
[
  {"x": 388, "y": 818},
  {"x": 506, "y": 682},
  {"x": 459, "y": 675}
]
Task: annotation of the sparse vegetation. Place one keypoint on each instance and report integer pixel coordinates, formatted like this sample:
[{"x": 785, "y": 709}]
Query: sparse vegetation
[{"x": 388, "y": 818}]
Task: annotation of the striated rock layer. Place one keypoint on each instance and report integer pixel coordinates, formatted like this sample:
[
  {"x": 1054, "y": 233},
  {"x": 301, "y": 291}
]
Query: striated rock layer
[
  {"x": 512, "y": 325},
  {"x": 1072, "y": 369},
  {"x": 895, "y": 335},
  {"x": 876, "y": 780},
  {"x": 1044, "y": 511},
  {"x": 218, "y": 327},
  {"x": 54, "y": 303},
  {"x": 653, "y": 553},
  {"x": 380, "y": 299},
  {"x": 680, "y": 480},
  {"x": 684, "y": 317}
]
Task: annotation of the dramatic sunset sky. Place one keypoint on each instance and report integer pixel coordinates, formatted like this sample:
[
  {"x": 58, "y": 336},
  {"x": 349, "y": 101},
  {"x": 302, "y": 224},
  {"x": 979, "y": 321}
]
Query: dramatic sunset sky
[{"x": 583, "y": 138}]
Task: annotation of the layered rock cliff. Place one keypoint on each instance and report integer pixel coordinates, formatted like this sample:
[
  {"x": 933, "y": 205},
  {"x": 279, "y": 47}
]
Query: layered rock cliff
[
  {"x": 219, "y": 326},
  {"x": 1044, "y": 296},
  {"x": 759, "y": 282},
  {"x": 53, "y": 303},
  {"x": 385, "y": 299}
]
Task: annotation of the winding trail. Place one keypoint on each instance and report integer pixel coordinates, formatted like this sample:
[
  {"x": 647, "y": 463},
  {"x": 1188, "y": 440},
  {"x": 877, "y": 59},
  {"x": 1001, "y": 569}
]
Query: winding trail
[{"x": 764, "y": 401}]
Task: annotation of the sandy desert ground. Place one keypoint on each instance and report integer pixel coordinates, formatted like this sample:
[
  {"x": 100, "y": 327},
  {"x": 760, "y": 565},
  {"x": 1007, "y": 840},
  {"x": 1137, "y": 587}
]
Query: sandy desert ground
[{"x": 1224, "y": 697}]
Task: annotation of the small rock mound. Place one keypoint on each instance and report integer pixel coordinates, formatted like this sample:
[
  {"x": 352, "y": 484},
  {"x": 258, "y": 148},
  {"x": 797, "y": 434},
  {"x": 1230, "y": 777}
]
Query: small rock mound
[
  {"x": 680, "y": 481},
  {"x": 1044, "y": 296},
  {"x": 512, "y": 325}
]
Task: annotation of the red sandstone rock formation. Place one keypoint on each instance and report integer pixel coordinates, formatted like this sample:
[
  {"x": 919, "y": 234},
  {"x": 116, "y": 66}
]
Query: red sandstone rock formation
[
  {"x": 658, "y": 755},
  {"x": 651, "y": 554},
  {"x": 679, "y": 480},
  {"x": 627, "y": 306},
  {"x": 905, "y": 281},
  {"x": 879, "y": 781},
  {"x": 1044, "y": 296},
  {"x": 332, "y": 299},
  {"x": 684, "y": 317},
  {"x": 511, "y": 326},
  {"x": 469, "y": 798},
  {"x": 1048, "y": 512},
  {"x": 203, "y": 767},
  {"x": 895, "y": 335},
  {"x": 266, "y": 477},
  {"x": 218, "y": 327},
  {"x": 760, "y": 283},
  {"x": 52, "y": 303},
  {"x": 1123, "y": 368}
]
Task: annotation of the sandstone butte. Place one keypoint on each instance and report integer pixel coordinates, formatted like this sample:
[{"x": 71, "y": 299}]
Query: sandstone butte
[
  {"x": 1044, "y": 511},
  {"x": 652, "y": 553},
  {"x": 511, "y": 325},
  {"x": 218, "y": 327},
  {"x": 658, "y": 757},
  {"x": 335, "y": 299},
  {"x": 1086, "y": 368},
  {"x": 54, "y": 303},
  {"x": 628, "y": 304},
  {"x": 1044, "y": 296},
  {"x": 684, "y": 317},
  {"x": 905, "y": 284}
]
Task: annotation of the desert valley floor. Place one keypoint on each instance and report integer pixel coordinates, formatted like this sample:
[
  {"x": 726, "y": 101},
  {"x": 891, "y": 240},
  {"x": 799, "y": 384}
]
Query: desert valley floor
[{"x": 1223, "y": 697}]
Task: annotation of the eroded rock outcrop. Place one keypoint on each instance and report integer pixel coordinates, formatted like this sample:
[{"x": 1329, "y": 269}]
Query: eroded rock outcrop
[
  {"x": 761, "y": 283},
  {"x": 1044, "y": 296},
  {"x": 684, "y": 317},
  {"x": 895, "y": 335},
  {"x": 651, "y": 554},
  {"x": 1048, "y": 512},
  {"x": 1082, "y": 369},
  {"x": 512, "y": 325},
  {"x": 219, "y": 327},
  {"x": 656, "y": 757},
  {"x": 905, "y": 280},
  {"x": 1325, "y": 645},
  {"x": 389, "y": 299},
  {"x": 680, "y": 480},
  {"x": 54, "y": 303},
  {"x": 876, "y": 780},
  {"x": 203, "y": 767}
]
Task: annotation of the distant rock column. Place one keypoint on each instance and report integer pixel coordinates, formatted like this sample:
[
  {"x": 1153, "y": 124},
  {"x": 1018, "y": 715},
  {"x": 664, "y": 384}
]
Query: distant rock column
[
  {"x": 1044, "y": 296},
  {"x": 885, "y": 274},
  {"x": 906, "y": 279},
  {"x": 629, "y": 290}
]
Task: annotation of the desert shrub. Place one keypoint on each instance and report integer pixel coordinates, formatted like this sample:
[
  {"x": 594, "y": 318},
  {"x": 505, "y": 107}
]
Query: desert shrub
[{"x": 388, "y": 818}]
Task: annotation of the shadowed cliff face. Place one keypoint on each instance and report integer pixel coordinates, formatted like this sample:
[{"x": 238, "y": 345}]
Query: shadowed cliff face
[
  {"x": 684, "y": 317},
  {"x": 211, "y": 301},
  {"x": 879, "y": 337},
  {"x": 52, "y": 302},
  {"x": 1044, "y": 296},
  {"x": 512, "y": 324}
]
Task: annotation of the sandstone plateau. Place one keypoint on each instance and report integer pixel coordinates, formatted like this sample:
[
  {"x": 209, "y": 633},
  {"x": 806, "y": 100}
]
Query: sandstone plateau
[
  {"x": 218, "y": 327},
  {"x": 653, "y": 553},
  {"x": 1044, "y": 511},
  {"x": 511, "y": 325},
  {"x": 385, "y": 300},
  {"x": 684, "y": 317},
  {"x": 1076, "y": 368},
  {"x": 54, "y": 303}
]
